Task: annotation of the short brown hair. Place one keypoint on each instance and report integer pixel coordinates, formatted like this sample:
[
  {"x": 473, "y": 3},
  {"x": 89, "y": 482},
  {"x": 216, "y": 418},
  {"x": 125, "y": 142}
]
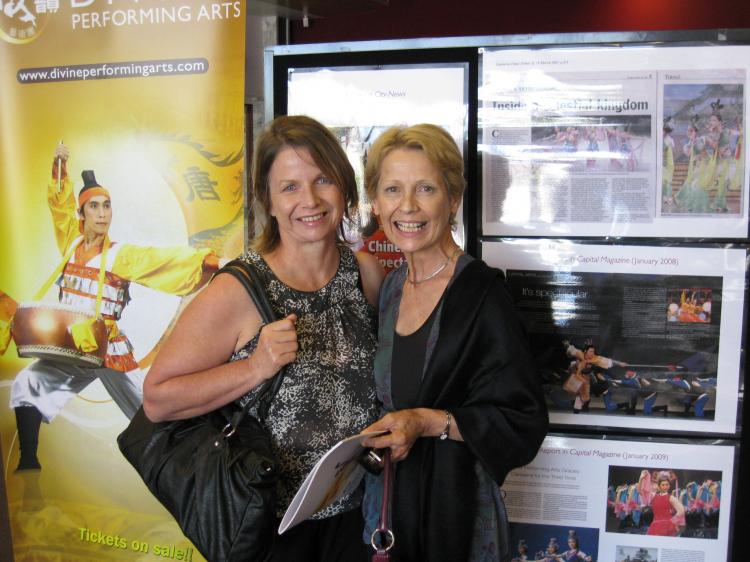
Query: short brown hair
[
  {"x": 298, "y": 131},
  {"x": 434, "y": 141}
]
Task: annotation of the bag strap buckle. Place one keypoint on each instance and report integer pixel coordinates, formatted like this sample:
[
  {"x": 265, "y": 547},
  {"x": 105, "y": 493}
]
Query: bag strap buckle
[
  {"x": 226, "y": 432},
  {"x": 386, "y": 538}
]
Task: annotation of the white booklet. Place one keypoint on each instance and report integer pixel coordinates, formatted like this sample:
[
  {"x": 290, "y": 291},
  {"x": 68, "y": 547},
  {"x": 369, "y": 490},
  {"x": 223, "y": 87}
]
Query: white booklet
[{"x": 336, "y": 474}]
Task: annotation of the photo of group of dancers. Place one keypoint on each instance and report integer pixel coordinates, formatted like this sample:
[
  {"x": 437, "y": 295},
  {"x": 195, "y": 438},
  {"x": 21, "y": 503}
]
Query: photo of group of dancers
[
  {"x": 689, "y": 305},
  {"x": 609, "y": 349},
  {"x": 551, "y": 543},
  {"x": 615, "y": 386},
  {"x": 664, "y": 502},
  {"x": 703, "y": 154},
  {"x": 594, "y": 144}
]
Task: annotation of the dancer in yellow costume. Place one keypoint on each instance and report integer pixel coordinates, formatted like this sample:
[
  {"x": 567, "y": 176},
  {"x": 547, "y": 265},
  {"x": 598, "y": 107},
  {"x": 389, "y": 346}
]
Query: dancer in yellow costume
[
  {"x": 7, "y": 310},
  {"x": 737, "y": 168},
  {"x": 667, "y": 162},
  {"x": 43, "y": 388},
  {"x": 717, "y": 141},
  {"x": 692, "y": 197},
  {"x": 582, "y": 368}
]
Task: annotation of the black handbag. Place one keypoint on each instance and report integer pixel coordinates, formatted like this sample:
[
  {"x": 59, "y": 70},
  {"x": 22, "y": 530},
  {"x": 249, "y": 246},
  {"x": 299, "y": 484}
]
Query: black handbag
[{"x": 215, "y": 473}]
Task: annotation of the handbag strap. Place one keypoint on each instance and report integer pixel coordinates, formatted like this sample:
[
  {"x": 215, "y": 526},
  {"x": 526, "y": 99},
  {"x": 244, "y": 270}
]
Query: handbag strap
[
  {"x": 253, "y": 282},
  {"x": 383, "y": 530}
]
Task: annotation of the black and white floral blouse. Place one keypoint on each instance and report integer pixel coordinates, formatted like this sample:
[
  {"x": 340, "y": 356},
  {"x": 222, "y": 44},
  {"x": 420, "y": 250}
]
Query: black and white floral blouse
[{"x": 328, "y": 393}]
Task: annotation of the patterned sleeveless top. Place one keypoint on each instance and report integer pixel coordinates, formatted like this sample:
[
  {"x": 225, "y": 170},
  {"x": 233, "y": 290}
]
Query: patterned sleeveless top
[{"x": 328, "y": 393}]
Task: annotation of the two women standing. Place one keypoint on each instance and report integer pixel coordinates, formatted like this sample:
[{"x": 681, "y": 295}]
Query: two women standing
[{"x": 455, "y": 380}]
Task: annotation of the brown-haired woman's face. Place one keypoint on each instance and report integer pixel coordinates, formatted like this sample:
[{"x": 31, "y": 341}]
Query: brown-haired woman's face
[
  {"x": 412, "y": 200},
  {"x": 306, "y": 203}
]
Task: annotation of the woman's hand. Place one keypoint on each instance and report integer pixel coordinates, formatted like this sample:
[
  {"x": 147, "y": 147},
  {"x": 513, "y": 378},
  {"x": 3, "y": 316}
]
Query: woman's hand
[
  {"x": 277, "y": 347},
  {"x": 405, "y": 427}
]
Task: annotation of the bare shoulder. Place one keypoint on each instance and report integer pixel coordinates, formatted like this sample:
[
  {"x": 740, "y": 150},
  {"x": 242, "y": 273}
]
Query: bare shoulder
[
  {"x": 223, "y": 307},
  {"x": 207, "y": 332},
  {"x": 224, "y": 291},
  {"x": 372, "y": 274}
]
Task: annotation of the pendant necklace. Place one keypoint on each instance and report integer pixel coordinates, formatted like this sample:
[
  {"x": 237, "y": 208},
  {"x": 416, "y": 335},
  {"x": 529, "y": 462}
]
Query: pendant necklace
[{"x": 437, "y": 272}]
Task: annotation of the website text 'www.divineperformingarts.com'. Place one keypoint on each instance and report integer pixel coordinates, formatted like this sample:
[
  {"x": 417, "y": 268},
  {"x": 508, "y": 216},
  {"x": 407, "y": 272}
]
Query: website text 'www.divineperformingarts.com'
[{"x": 106, "y": 70}]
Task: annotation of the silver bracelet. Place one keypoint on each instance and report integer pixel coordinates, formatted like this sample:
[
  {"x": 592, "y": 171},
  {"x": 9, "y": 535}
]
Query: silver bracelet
[{"x": 447, "y": 428}]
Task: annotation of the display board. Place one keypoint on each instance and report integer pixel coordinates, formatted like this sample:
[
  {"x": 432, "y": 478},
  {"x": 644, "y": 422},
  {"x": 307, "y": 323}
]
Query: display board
[
  {"x": 607, "y": 178},
  {"x": 635, "y": 141},
  {"x": 615, "y": 498},
  {"x": 664, "y": 326},
  {"x": 359, "y": 103}
]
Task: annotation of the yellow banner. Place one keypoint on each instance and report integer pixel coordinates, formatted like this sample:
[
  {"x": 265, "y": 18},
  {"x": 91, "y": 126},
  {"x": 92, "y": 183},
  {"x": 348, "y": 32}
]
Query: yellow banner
[{"x": 148, "y": 95}]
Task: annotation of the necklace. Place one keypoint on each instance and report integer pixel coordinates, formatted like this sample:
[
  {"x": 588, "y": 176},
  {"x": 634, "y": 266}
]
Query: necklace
[{"x": 435, "y": 273}]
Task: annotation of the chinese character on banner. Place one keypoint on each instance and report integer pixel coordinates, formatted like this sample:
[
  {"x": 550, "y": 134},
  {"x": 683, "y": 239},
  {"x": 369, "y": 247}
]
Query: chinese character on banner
[{"x": 200, "y": 184}]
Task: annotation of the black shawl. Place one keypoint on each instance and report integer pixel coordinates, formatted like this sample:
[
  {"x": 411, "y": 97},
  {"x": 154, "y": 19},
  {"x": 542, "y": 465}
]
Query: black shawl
[{"x": 482, "y": 371}]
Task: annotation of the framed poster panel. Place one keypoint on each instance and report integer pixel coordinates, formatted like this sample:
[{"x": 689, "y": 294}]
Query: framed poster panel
[
  {"x": 359, "y": 102},
  {"x": 636, "y": 141},
  {"x": 359, "y": 90},
  {"x": 640, "y": 337},
  {"x": 623, "y": 500}
]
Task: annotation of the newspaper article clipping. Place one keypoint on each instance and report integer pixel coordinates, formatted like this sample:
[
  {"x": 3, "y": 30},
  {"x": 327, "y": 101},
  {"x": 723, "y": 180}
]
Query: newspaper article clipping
[{"x": 623, "y": 142}]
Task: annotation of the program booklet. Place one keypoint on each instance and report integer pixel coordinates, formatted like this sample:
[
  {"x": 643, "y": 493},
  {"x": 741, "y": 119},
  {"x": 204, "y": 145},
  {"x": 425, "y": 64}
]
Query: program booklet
[{"x": 336, "y": 474}]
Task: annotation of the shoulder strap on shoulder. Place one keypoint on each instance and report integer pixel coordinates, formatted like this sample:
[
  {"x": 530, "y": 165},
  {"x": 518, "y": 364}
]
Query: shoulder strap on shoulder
[{"x": 253, "y": 282}]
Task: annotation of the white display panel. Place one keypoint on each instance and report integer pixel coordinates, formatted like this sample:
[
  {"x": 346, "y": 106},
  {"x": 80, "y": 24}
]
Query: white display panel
[
  {"x": 665, "y": 323},
  {"x": 636, "y": 141},
  {"x": 604, "y": 491},
  {"x": 360, "y": 103}
]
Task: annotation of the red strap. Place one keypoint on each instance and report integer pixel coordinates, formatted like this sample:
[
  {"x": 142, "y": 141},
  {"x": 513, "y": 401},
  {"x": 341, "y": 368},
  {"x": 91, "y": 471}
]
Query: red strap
[
  {"x": 385, "y": 508},
  {"x": 384, "y": 531}
]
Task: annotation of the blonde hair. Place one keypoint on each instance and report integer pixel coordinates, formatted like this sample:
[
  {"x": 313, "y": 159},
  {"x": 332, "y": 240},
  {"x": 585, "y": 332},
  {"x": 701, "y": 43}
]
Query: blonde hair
[
  {"x": 434, "y": 141},
  {"x": 298, "y": 131}
]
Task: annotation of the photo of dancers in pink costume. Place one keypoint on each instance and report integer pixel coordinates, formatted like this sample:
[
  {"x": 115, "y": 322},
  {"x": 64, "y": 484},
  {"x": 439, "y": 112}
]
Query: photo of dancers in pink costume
[{"x": 664, "y": 502}]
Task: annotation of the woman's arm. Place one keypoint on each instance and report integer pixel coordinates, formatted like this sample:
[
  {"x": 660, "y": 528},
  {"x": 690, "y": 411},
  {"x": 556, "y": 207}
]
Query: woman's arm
[
  {"x": 372, "y": 275},
  {"x": 677, "y": 506},
  {"x": 191, "y": 376}
]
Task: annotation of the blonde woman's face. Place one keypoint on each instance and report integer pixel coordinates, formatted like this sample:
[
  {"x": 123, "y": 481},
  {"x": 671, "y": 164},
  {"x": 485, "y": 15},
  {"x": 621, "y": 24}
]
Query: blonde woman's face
[{"x": 412, "y": 201}]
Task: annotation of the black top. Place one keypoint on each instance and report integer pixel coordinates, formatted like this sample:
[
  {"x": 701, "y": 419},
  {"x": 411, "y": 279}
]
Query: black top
[
  {"x": 407, "y": 363},
  {"x": 481, "y": 370}
]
